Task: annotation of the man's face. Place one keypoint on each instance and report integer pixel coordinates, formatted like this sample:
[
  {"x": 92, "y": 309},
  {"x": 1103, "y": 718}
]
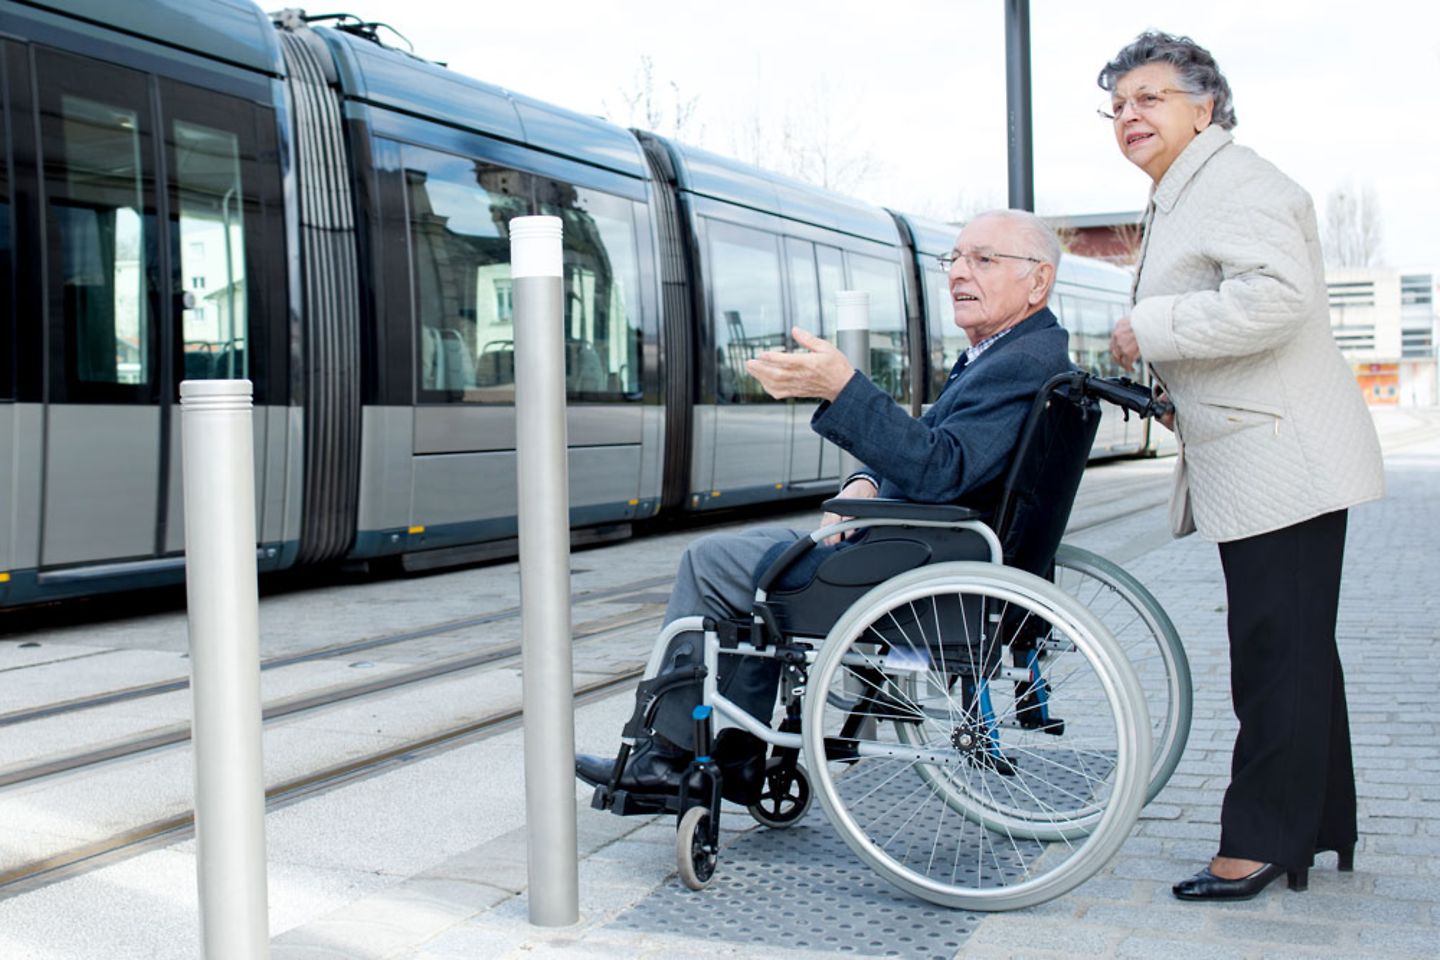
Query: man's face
[{"x": 994, "y": 282}]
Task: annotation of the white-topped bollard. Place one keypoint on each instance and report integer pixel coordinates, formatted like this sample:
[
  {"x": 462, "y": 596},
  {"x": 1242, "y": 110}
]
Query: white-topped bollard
[
  {"x": 536, "y": 271},
  {"x": 223, "y": 611},
  {"x": 852, "y": 338}
]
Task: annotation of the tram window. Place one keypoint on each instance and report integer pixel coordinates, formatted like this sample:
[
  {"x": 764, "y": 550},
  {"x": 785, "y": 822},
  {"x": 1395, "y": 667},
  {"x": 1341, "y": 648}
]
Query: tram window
[
  {"x": 749, "y": 317},
  {"x": 7, "y": 257},
  {"x": 804, "y": 285},
  {"x": 211, "y": 206},
  {"x": 889, "y": 351},
  {"x": 105, "y": 260},
  {"x": 832, "y": 280},
  {"x": 458, "y": 211},
  {"x": 602, "y": 292},
  {"x": 948, "y": 340},
  {"x": 1089, "y": 322}
]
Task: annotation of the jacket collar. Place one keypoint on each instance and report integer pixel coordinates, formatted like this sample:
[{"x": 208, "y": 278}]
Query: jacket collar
[
  {"x": 1038, "y": 320},
  {"x": 1206, "y": 144}
]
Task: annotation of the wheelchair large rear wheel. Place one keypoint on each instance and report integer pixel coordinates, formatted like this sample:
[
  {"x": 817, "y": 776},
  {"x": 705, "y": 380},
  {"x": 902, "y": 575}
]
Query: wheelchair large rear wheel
[
  {"x": 935, "y": 772},
  {"x": 1151, "y": 645}
]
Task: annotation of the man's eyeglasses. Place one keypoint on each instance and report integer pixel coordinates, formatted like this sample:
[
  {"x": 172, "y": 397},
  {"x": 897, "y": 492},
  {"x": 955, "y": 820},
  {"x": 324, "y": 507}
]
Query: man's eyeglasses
[
  {"x": 1142, "y": 102},
  {"x": 981, "y": 259}
]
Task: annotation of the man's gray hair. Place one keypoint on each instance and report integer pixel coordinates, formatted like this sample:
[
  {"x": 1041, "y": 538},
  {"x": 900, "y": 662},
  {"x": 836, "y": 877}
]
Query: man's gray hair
[
  {"x": 1036, "y": 236},
  {"x": 1199, "y": 75}
]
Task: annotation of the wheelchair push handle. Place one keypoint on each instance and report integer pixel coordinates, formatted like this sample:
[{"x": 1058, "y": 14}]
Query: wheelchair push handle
[{"x": 1128, "y": 395}]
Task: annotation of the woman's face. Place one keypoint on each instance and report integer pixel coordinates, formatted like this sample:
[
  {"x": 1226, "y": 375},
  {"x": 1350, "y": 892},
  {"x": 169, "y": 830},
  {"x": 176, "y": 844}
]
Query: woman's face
[{"x": 1154, "y": 119}]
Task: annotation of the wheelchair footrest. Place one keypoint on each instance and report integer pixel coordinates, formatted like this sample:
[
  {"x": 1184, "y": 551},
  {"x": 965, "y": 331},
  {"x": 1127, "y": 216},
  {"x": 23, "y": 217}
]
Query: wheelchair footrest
[{"x": 624, "y": 803}]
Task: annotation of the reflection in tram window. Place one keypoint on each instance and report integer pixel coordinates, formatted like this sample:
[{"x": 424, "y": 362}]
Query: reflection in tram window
[
  {"x": 103, "y": 265},
  {"x": 458, "y": 212},
  {"x": 889, "y": 346},
  {"x": 749, "y": 318},
  {"x": 7, "y": 246},
  {"x": 212, "y": 252},
  {"x": 602, "y": 292},
  {"x": 947, "y": 341},
  {"x": 804, "y": 286},
  {"x": 831, "y": 266}
]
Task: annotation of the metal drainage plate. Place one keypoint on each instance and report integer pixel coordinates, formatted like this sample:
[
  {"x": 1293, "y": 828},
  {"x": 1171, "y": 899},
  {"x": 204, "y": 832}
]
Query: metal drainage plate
[{"x": 802, "y": 887}]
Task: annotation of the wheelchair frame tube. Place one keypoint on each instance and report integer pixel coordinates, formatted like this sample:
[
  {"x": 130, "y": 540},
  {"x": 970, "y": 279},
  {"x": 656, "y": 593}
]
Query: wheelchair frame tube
[
  {"x": 537, "y": 268},
  {"x": 792, "y": 741}
]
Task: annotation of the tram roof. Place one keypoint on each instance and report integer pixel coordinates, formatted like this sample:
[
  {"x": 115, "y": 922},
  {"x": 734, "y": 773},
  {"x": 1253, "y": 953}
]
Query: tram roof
[
  {"x": 723, "y": 178},
  {"x": 395, "y": 79},
  {"x": 236, "y": 31}
]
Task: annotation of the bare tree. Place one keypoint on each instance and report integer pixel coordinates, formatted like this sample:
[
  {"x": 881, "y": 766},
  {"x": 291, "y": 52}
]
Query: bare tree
[
  {"x": 1130, "y": 236},
  {"x": 671, "y": 114},
  {"x": 1352, "y": 230}
]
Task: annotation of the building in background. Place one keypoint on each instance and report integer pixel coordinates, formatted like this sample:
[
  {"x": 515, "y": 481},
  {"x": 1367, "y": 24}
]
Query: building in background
[
  {"x": 1385, "y": 323},
  {"x": 1106, "y": 236}
]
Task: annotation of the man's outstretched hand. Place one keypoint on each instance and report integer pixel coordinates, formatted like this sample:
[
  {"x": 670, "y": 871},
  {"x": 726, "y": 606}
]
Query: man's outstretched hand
[{"x": 820, "y": 374}]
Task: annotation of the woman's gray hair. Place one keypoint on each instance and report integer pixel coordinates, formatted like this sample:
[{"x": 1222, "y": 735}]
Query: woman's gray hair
[
  {"x": 1039, "y": 238},
  {"x": 1199, "y": 75}
]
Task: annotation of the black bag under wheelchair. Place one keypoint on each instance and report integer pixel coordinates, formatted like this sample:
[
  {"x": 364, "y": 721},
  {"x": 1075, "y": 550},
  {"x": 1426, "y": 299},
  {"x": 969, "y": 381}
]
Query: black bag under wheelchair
[{"x": 913, "y": 661}]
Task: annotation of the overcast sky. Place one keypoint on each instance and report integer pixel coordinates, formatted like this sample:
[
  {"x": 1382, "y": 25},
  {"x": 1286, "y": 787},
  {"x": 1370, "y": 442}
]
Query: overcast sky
[{"x": 1332, "y": 92}]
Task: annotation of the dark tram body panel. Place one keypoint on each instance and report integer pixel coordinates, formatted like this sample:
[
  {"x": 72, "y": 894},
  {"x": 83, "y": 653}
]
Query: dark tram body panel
[
  {"x": 144, "y": 182},
  {"x": 770, "y": 255},
  {"x": 450, "y": 161},
  {"x": 190, "y": 190}
]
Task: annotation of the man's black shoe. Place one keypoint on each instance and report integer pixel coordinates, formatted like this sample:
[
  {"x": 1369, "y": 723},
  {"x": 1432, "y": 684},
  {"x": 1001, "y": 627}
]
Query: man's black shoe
[{"x": 651, "y": 768}]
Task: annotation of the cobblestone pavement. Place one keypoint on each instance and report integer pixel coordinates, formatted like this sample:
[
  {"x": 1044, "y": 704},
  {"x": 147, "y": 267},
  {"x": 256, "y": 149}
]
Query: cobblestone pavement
[
  {"x": 1389, "y": 907},
  {"x": 1388, "y": 632},
  {"x": 473, "y": 904}
]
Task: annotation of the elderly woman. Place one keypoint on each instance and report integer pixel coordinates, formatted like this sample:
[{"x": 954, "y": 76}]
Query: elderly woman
[{"x": 1232, "y": 317}]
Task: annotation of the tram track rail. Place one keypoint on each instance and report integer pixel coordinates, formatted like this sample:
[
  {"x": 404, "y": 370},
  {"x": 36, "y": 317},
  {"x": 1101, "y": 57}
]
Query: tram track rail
[
  {"x": 165, "y": 831},
  {"x": 179, "y": 733},
  {"x": 346, "y": 648},
  {"x": 175, "y": 827}
]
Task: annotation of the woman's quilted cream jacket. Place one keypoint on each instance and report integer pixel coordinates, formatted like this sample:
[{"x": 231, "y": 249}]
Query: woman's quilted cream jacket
[{"x": 1232, "y": 315}]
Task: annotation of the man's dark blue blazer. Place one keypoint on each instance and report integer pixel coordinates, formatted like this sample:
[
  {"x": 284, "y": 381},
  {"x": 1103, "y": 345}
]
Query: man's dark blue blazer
[{"x": 957, "y": 451}]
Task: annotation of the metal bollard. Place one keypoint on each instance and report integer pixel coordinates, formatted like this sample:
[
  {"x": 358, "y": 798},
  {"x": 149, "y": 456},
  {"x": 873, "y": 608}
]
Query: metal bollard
[
  {"x": 536, "y": 268},
  {"x": 223, "y": 610},
  {"x": 852, "y": 337}
]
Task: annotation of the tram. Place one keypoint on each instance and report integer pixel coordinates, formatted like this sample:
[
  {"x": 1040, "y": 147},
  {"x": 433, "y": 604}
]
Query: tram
[{"x": 190, "y": 189}]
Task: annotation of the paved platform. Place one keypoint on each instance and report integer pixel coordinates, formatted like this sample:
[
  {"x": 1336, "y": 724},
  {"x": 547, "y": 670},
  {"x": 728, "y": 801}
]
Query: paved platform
[{"x": 429, "y": 861}]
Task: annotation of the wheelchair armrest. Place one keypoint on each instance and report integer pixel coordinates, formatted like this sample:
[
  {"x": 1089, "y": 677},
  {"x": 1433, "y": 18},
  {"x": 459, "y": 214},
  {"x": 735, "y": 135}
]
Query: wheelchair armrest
[
  {"x": 876, "y": 508},
  {"x": 782, "y": 563}
]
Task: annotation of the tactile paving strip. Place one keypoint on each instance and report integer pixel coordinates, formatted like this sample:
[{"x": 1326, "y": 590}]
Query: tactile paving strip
[{"x": 804, "y": 888}]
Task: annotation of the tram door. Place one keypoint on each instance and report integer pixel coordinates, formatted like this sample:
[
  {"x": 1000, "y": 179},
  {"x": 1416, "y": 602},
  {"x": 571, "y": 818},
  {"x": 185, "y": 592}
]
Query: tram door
[
  {"x": 752, "y": 430},
  {"x": 128, "y": 287},
  {"x": 812, "y": 306},
  {"x": 213, "y": 220},
  {"x": 102, "y": 416}
]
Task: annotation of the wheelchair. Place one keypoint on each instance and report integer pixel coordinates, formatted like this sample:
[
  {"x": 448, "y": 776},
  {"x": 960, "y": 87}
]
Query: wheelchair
[{"x": 973, "y": 729}]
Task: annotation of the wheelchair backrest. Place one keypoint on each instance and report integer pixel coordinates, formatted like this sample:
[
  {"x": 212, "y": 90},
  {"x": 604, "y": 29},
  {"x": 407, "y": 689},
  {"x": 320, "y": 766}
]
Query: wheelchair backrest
[{"x": 1045, "y": 472}]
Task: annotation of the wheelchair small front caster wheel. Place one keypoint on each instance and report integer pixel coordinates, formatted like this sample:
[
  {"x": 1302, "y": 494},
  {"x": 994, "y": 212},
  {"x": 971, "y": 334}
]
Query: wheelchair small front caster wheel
[
  {"x": 785, "y": 796},
  {"x": 695, "y": 852}
]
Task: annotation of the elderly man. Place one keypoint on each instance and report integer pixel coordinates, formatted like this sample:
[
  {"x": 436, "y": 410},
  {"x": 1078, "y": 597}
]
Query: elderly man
[{"x": 1001, "y": 272}]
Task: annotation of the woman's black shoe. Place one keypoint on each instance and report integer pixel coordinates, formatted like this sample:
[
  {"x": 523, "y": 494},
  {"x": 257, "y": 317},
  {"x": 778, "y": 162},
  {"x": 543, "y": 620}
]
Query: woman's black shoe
[{"x": 1206, "y": 886}]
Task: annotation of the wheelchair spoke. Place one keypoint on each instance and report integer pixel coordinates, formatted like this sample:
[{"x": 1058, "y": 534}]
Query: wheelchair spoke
[{"x": 950, "y": 774}]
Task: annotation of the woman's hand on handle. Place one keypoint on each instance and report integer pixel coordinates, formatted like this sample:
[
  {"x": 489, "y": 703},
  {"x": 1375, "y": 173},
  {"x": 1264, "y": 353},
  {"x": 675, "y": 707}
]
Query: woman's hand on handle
[{"x": 1124, "y": 348}]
